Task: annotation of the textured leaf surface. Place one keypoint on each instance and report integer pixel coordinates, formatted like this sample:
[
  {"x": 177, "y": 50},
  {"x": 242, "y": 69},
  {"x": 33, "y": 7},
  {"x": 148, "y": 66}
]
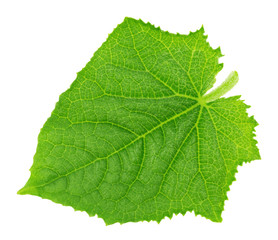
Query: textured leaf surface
[{"x": 134, "y": 139}]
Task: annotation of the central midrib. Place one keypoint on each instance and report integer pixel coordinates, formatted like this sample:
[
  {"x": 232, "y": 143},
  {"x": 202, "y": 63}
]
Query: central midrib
[{"x": 122, "y": 148}]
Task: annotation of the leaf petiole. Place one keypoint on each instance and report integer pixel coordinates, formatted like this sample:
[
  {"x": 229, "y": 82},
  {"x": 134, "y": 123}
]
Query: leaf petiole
[{"x": 225, "y": 87}]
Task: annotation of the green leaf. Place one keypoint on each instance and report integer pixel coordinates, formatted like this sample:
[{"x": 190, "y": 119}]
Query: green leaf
[{"x": 135, "y": 137}]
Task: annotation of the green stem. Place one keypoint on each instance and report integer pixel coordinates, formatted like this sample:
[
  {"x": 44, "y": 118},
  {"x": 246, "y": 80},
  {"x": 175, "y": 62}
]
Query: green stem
[{"x": 225, "y": 87}]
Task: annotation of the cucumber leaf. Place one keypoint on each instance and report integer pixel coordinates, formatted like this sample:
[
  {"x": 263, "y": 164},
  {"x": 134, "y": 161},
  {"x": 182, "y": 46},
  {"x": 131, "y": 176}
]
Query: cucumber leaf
[{"x": 137, "y": 138}]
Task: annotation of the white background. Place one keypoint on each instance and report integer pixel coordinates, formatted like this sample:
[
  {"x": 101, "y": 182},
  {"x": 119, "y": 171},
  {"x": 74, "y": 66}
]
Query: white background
[{"x": 42, "y": 46}]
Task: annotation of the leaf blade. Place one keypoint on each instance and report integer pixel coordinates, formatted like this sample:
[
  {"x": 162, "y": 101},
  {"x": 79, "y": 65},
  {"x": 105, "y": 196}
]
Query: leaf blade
[{"x": 129, "y": 140}]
